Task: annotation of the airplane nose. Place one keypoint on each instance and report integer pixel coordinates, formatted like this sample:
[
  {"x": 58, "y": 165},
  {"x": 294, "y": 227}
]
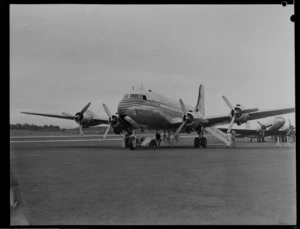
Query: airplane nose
[{"x": 123, "y": 106}]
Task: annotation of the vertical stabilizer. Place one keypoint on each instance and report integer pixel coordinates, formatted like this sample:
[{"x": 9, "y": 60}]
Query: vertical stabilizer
[{"x": 200, "y": 102}]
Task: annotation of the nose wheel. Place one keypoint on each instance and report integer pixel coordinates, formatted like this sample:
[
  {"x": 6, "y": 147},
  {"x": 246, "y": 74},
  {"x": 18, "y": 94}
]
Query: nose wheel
[{"x": 130, "y": 141}]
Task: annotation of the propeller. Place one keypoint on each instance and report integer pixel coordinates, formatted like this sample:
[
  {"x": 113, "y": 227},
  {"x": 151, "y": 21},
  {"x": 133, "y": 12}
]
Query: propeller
[
  {"x": 263, "y": 128},
  {"x": 111, "y": 120},
  {"x": 104, "y": 136},
  {"x": 236, "y": 112},
  {"x": 79, "y": 116},
  {"x": 185, "y": 117}
]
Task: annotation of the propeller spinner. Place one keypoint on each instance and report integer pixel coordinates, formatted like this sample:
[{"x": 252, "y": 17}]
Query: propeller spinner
[
  {"x": 263, "y": 128},
  {"x": 78, "y": 116},
  {"x": 236, "y": 112}
]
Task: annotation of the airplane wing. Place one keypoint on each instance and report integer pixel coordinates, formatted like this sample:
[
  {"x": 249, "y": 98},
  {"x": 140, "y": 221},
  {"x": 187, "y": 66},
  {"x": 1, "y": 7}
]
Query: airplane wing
[
  {"x": 243, "y": 132},
  {"x": 224, "y": 119},
  {"x": 52, "y": 115},
  {"x": 97, "y": 121},
  {"x": 268, "y": 113}
]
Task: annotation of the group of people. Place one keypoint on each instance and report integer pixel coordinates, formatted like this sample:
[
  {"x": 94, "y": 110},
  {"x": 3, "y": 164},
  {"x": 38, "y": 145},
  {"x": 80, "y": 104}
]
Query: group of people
[{"x": 165, "y": 137}]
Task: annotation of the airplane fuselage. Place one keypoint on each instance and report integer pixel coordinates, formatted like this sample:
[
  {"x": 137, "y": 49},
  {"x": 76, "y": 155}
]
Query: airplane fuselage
[
  {"x": 149, "y": 109},
  {"x": 276, "y": 124}
]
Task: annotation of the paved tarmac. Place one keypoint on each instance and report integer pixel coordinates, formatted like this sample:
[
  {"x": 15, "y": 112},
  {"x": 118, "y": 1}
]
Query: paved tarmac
[{"x": 96, "y": 182}]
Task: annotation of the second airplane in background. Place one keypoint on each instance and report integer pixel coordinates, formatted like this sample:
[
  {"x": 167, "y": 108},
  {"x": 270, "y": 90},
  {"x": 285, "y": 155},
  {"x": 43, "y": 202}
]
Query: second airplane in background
[{"x": 274, "y": 127}]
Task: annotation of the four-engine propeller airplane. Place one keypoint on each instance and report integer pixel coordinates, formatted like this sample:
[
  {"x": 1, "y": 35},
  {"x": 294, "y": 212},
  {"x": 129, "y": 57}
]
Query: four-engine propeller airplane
[
  {"x": 271, "y": 128},
  {"x": 141, "y": 109}
]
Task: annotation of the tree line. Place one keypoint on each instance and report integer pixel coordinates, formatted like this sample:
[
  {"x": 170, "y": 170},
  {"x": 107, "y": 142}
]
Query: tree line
[{"x": 27, "y": 126}]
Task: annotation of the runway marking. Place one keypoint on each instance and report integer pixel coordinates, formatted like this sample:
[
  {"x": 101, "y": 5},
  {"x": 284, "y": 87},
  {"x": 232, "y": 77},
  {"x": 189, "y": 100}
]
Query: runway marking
[{"x": 74, "y": 140}]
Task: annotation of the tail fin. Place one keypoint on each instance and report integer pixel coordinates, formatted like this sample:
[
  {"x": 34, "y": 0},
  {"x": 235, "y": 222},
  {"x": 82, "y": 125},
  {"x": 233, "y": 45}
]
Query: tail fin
[{"x": 200, "y": 102}]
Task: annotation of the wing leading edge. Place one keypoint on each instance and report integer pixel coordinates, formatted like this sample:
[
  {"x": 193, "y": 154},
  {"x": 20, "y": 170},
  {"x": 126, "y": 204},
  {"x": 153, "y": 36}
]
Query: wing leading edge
[{"x": 97, "y": 120}]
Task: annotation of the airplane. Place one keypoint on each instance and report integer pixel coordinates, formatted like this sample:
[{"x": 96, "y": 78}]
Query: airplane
[
  {"x": 143, "y": 109},
  {"x": 271, "y": 128},
  {"x": 84, "y": 118}
]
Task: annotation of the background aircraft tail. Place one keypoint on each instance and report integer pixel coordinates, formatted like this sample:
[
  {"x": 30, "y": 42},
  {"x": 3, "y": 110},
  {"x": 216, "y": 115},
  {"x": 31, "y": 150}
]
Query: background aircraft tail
[{"x": 200, "y": 102}]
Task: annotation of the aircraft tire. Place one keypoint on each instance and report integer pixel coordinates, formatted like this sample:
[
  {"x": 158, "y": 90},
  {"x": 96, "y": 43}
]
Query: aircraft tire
[
  {"x": 204, "y": 142},
  {"x": 152, "y": 143},
  {"x": 131, "y": 143},
  {"x": 196, "y": 142}
]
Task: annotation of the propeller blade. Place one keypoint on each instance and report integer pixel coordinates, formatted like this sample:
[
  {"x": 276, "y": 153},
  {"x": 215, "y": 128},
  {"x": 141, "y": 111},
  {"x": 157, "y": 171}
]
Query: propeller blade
[
  {"x": 179, "y": 128},
  {"x": 80, "y": 130},
  {"x": 289, "y": 131},
  {"x": 268, "y": 125},
  {"x": 183, "y": 106},
  {"x": 104, "y": 136},
  {"x": 106, "y": 110},
  {"x": 67, "y": 114},
  {"x": 227, "y": 102},
  {"x": 259, "y": 123},
  {"x": 85, "y": 108},
  {"x": 231, "y": 124},
  {"x": 249, "y": 110}
]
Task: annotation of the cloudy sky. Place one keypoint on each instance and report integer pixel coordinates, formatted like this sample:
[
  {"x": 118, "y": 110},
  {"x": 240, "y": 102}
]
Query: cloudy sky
[{"x": 64, "y": 56}]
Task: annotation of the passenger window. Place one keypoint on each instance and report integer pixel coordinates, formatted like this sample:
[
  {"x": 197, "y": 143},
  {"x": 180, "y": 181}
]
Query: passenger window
[{"x": 144, "y": 97}]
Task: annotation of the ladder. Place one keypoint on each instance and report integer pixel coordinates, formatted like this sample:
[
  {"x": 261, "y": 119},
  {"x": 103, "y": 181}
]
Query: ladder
[{"x": 218, "y": 134}]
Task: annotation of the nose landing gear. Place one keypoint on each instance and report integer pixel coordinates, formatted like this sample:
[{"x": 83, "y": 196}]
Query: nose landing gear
[
  {"x": 200, "y": 141},
  {"x": 130, "y": 140}
]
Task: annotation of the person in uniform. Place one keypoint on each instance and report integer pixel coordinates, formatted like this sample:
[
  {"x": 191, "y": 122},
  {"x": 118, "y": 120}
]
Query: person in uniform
[{"x": 168, "y": 138}]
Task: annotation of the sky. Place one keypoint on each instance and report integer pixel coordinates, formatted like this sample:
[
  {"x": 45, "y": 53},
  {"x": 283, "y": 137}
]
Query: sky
[{"x": 64, "y": 56}]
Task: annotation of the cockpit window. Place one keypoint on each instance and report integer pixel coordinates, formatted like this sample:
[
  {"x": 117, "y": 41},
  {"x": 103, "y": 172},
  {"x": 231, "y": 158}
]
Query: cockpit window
[
  {"x": 126, "y": 96},
  {"x": 135, "y": 96},
  {"x": 144, "y": 97}
]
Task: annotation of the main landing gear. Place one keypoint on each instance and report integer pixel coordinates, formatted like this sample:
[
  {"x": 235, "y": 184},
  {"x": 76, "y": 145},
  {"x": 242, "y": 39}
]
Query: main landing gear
[
  {"x": 200, "y": 141},
  {"x": 130, "y": 140}
]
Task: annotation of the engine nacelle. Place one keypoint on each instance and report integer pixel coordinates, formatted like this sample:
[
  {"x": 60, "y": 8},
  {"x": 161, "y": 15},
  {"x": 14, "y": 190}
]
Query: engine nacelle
[
  {"x": 242, "y": 119},
  {"x": 119, "y": 124},
  {"x": 193, "y": 119},
  {"x": 85, "y": 120}
]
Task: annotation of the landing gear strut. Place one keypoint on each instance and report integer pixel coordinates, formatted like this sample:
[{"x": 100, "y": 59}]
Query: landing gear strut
[
  {"x": 200, "y": 141},
  {"x": 130, "y": 140}
]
